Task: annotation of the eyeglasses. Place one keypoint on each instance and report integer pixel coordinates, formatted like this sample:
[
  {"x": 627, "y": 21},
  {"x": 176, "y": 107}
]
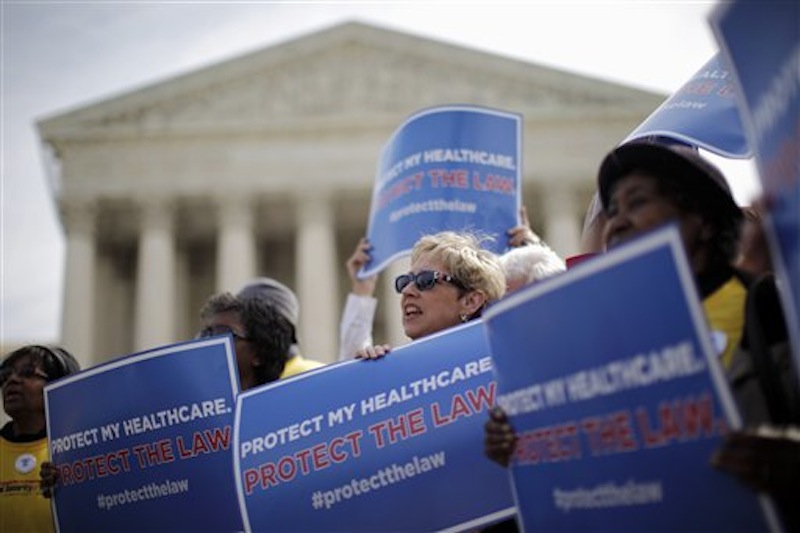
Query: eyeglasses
[
  {"x": 424, "y": 280},
  {"x": 26, "y": 372},
  {"x": 210, "y": 331}
]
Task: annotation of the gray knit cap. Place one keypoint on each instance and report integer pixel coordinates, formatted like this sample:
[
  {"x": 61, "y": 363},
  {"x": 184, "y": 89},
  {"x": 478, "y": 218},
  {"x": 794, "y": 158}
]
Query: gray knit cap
[{"x": 276, "y": 293}]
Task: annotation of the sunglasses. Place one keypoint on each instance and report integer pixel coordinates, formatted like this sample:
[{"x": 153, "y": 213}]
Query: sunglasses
[
  {"x": 220, "y": 330},
  {"x": 26, "y": 372},
  {"x": 424, "y": 280}
]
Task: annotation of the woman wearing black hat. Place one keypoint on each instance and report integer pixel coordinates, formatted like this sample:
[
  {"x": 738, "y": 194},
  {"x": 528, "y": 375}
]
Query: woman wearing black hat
[{"x": 644, "y": 186}]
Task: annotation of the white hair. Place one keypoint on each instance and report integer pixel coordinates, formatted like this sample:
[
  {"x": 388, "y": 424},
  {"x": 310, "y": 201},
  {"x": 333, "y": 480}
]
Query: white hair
[{"x": 527, "y": 264}]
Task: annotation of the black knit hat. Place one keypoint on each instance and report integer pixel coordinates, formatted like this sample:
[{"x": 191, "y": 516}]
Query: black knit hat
[{"x": 684, "y": 165}]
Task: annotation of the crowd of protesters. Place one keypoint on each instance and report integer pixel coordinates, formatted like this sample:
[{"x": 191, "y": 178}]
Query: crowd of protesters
[{"x": 452, "y": 279}]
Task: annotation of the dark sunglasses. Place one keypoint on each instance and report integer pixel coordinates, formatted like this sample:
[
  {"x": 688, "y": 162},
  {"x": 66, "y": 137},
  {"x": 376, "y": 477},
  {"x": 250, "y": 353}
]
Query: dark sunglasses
[
  {"x": 424, "y": 280},
  {"x": 220, "y": 330},
  {"x": 26, "y": 372}
]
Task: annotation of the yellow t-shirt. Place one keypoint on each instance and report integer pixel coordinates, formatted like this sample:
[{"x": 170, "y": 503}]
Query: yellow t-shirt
[
  {"x": 22, "y": 506},
  {"x": 299, "y": 364},
  {"x": 725, "y": 312}
]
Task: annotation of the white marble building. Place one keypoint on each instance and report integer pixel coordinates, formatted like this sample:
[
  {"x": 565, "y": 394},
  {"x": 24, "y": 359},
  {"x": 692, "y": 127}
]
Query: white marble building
[{"x": 263, "y": 165}]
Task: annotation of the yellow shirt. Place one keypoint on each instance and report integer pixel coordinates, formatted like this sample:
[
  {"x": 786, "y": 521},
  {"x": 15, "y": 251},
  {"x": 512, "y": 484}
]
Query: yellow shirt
[
  {"x": 299, "y": 364},
  {"x": 725, "y": 312},
  {"x": 22, "y": 506}
]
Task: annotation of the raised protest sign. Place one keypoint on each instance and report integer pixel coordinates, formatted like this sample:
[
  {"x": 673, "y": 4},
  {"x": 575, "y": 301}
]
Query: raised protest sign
[
  {"x": 393, "y": 444},
  {"x": 446, "y": 168},
  {"x": 760, "y": 41},
  {"x": 143, "y": 443},
  {"x": 611, "y": 383},
  {"x": 701, "y": 113}
]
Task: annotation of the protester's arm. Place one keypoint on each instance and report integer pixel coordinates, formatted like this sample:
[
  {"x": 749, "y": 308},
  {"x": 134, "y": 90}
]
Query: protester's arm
[
  {"x": 763, "y": 460},
  {"x": 499, "y": 437},
  {"x": 768, "y": 461},
  {"x": 355, "y": 329},
  {"x": 361, "y": 256}
]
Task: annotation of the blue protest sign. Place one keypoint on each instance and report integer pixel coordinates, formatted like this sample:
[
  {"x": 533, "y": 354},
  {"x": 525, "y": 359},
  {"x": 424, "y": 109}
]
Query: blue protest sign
[
  {"x": 143, "y": 443},
  {"x": 446, "y": 168},
  {"x": 762, "y": 44},
  {"x": 392, "y": 444},
  {"x": 701, "y": 113},
  {"x": 609, "y": 378}
]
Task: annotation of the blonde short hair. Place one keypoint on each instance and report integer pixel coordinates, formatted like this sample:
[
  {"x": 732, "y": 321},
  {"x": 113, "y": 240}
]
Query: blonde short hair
[{"x": 474, "y": 267}]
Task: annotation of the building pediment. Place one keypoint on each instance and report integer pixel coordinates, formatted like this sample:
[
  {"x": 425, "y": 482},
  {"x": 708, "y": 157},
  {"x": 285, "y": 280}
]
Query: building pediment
[{"x": 349, "y": 72}]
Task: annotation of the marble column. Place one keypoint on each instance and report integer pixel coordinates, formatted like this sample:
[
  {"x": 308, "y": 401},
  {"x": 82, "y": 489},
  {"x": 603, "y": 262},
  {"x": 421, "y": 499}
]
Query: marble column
[
  {"x": 78, "y": 318},
  {"x": 236, "y": 250},
  {"x": 563, "y": 227},
  {"x": 316, "y": 267},
  {"x": 154, "y": 314}
]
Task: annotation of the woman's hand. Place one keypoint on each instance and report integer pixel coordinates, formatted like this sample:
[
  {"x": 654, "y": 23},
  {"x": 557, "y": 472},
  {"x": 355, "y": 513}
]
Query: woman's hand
[
  {"x": 522, "y": 235},
  {"x": 373, "y": 352},
  {"x": 361, "y": 256},
  {"x": 768, "y": 463},
  {"x": 499, "y": 437},
  {"x": 48, "y": 475}
]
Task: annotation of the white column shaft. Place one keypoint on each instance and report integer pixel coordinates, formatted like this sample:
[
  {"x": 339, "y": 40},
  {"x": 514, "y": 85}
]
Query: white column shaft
[
  {"x": 236, "y": 250},
  {"x": 316, "y": 267},
  {"x": 155, "y": 283},
  {"x": 78, "y": 319}
]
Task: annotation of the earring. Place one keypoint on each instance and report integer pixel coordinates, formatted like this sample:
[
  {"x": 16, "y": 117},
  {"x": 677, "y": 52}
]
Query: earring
[{"x": 464, "y": 318}]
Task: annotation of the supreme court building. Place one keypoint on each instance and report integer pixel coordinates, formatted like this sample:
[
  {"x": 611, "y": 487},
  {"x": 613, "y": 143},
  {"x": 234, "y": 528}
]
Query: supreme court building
[{"x": 263, "y": 166}]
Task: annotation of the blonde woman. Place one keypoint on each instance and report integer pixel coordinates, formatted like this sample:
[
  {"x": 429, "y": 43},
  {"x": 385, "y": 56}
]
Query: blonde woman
[{"x": 452, "y": 280}]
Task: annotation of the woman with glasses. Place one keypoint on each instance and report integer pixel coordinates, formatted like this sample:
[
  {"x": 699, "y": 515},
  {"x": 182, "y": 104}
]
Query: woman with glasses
[
  {"x": 23, "y": 441},
  {"x": 285, "y": 302},
  {"x": 452, "y": 280},
  {"x": 262, "y": 335},
  {"x": 643, "y": 186},
  {"x": 528, "y": 259}
]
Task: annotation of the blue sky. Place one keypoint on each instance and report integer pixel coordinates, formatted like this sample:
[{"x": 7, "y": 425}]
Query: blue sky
[{"x": 61, "y": 55}]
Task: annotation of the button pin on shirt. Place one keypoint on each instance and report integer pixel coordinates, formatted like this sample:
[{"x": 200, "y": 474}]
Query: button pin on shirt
[{"x": 719, "y": 340}]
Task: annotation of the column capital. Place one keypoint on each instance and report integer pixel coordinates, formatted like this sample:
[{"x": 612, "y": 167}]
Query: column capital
[
  {"x": 235, "y": 209},
  {"x": 155, "y": 213},
  {"x": 314, "y": 206},
  {"x": 79, "y": 214}
]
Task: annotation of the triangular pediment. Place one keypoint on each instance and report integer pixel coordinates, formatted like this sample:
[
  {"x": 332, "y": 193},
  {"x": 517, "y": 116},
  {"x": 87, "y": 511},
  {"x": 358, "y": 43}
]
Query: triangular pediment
[{"x": 350, "y": 70}]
